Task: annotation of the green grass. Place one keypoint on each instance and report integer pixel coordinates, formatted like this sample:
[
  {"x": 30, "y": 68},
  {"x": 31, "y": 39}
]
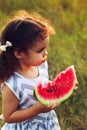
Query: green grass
[
  {"x": 1, "y": 121},
  {"x": 68, "y": 46}
]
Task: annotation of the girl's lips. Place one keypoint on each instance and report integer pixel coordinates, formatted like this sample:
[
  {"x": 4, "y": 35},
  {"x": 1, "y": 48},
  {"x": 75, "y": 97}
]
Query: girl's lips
[{"x": 43, "y": 60}]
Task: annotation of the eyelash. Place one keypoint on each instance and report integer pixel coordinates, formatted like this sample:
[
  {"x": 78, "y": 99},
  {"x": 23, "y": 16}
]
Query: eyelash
[{"x": 40, "y": 51}]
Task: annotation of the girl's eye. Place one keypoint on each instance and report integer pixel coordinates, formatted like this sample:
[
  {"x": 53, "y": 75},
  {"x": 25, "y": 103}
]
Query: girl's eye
[{"x": 40, "y": 50}]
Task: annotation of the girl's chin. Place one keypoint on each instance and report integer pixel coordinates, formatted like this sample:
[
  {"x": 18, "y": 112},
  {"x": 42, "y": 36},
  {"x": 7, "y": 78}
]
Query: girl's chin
[{"x": 42, "y": 62}]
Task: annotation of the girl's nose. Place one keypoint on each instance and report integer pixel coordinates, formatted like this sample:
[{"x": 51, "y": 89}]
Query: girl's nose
[{"x": 45, "y": 54}]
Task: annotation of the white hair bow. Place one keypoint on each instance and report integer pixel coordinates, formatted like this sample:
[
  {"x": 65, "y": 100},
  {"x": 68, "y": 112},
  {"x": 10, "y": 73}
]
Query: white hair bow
[{"x": 3, "y": 47}]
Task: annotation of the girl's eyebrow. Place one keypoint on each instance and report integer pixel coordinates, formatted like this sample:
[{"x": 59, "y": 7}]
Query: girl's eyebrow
[{"x": 40, "y": 49}]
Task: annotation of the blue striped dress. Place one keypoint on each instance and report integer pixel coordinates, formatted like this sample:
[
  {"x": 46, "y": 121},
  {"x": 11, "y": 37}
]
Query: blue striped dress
[{"x": 23, "y": 90}]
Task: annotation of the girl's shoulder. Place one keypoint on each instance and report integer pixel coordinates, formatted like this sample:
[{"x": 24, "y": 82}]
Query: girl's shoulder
[{"x": 12, "y": 84}]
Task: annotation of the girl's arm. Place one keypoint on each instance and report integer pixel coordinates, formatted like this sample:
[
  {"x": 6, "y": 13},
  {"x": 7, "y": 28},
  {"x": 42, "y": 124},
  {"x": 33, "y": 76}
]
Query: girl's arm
[{"x": 13, "y": 114}]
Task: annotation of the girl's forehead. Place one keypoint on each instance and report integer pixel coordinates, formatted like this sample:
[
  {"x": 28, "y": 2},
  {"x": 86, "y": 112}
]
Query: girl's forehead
[{"x": 41, "y": 43}]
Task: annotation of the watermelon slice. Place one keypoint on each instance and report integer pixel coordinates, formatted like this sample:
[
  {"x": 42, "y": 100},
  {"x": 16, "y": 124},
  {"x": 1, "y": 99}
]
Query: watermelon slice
[{"x": 59, "y": 89}]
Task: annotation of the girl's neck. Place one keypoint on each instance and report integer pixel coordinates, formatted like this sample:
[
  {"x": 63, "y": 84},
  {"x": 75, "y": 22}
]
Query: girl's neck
[{"x": 31, "y": 72}]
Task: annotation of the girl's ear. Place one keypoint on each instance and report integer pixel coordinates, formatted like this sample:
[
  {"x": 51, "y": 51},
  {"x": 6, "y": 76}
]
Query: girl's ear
[{"x": 18, "y": 54}]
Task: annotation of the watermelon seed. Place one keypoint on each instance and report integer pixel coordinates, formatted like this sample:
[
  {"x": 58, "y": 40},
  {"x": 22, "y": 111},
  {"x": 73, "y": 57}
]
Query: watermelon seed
[{"x": 52, "y": 89}]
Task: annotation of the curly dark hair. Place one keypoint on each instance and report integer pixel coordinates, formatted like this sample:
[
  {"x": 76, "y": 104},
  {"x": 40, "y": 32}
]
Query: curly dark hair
[{"x": 22, "y": 32}]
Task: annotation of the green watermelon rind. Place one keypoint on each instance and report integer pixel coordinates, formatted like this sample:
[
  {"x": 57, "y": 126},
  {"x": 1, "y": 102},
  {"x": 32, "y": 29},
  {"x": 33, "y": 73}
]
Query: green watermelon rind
[
  {"x": 55, "y": 101},
  {"x": 59, "y": 100}
]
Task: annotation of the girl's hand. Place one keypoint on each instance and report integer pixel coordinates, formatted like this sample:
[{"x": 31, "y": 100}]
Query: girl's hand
[
  {"x": 43, "y": 108},
  {"x": 53, "y": 105},
  {"x": 76, "y": 86}
]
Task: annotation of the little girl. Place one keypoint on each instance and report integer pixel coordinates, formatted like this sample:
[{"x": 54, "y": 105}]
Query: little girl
[{"x": 23, "y": 65}]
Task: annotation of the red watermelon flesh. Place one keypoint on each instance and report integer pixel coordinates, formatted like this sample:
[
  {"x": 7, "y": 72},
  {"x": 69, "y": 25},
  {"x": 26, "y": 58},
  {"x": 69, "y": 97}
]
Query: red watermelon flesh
[{"x": 59, "y": 89}]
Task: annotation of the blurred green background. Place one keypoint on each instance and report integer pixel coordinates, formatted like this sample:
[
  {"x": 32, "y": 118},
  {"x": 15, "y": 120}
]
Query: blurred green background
[{"x": 67, "y": 47}]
